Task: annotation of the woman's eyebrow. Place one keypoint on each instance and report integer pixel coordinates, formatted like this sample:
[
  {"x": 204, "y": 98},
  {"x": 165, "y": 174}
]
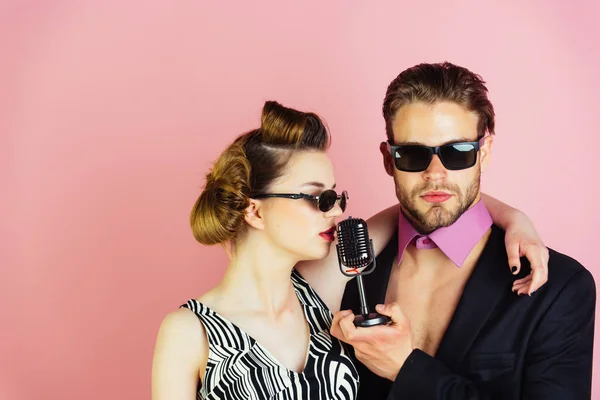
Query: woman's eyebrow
[{"x": 320, "y": 185}]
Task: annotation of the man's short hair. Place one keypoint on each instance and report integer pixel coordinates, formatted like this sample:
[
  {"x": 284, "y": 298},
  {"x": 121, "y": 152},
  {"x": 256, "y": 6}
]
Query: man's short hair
[{"x": 431, "y": 83}]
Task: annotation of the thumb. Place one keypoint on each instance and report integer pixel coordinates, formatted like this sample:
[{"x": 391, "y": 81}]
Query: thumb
[
  {"x": 391, "y": 310},
  {"x": 344, "y": 313},
  {"x": 382, "y": 309}
]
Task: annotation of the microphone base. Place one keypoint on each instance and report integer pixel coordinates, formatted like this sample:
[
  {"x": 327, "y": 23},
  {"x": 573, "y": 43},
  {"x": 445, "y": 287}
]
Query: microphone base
[{"x": 371, "y": 319}]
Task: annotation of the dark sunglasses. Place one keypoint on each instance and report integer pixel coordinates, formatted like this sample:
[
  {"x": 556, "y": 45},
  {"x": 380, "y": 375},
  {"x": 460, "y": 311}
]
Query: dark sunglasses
[
  {"x": 416, "y": 158},
  {"x": 325, "y": 201}
]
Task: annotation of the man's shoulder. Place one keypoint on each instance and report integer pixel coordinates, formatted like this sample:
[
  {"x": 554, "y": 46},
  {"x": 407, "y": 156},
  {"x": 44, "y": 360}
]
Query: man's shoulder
[{"x": 562, "y": 267}]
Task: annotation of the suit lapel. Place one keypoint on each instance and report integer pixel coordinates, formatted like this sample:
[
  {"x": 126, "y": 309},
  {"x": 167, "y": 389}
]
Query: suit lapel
[{"x": 488, "y": 284}]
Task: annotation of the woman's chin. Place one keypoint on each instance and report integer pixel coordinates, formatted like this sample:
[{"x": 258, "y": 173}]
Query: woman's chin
[
  {"x": 317, "y": 254},
  {"x": 324, "y": 251}
]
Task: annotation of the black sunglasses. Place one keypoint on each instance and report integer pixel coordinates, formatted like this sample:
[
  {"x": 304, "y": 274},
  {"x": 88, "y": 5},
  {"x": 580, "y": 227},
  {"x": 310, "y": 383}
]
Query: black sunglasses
[
  {"x": 325, "y": 201},
  {"x": 416, "y": 158}
]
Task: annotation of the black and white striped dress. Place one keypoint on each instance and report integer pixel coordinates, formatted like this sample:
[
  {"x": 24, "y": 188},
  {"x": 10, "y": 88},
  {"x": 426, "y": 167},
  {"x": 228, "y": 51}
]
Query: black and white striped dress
[{"x": 241, "y": 368}]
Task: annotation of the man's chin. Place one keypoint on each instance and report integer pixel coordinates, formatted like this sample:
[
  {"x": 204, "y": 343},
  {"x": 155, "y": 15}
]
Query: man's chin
[{"x": 438, "y": 216}]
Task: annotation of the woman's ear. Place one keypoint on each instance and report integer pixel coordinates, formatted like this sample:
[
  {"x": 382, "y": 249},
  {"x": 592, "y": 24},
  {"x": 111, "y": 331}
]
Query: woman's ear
[{"x": 253, "y": 215}]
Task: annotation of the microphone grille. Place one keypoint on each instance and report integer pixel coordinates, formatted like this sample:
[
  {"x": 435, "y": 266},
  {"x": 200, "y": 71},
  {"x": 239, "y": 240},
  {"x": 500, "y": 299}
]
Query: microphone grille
[{"x": 354, "y": 246}]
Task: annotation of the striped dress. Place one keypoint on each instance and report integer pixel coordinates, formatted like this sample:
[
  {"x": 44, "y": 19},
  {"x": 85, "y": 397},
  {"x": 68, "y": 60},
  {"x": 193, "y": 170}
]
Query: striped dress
[{"x": 241, "y": 368}]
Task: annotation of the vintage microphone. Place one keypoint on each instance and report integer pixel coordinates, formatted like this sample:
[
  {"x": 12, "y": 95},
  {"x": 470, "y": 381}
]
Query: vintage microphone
[{"x": 355, "y": 251}]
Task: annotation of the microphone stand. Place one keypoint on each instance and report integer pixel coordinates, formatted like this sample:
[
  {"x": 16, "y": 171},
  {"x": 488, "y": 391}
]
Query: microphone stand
[{"x": 366, "y": 318}]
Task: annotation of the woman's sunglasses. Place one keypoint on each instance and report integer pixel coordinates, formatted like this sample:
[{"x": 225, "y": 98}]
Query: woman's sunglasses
[
  {"x": 325, "y": 201},
  {"x": 416, "y": 158}
]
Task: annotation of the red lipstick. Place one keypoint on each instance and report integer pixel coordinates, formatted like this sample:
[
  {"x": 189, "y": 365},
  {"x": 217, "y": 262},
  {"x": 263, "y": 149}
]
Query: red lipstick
[{"x": 329, "y": 234}]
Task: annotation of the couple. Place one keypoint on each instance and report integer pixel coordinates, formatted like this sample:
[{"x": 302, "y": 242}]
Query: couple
[{"x": 279, "y": 324}]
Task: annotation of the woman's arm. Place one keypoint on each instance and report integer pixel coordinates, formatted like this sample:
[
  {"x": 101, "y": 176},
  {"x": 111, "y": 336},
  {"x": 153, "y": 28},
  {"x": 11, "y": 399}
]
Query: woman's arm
[
  {"x": 180, "y": 357},
  {"x": 521, "y": 239}
]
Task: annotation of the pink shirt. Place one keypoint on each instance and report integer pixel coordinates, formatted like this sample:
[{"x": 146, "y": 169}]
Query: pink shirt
[{"x": 456, "y": 240}]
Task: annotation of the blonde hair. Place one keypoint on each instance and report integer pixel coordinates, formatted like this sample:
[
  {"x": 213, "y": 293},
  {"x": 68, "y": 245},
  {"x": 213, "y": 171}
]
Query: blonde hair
[{"x": 249, "y": 166}]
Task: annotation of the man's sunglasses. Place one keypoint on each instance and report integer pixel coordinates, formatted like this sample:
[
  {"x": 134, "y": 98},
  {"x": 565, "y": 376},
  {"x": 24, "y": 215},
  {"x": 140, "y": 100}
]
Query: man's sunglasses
[
  {"x": 325, "y": 201},
  {"x": 416, "y": 158}
]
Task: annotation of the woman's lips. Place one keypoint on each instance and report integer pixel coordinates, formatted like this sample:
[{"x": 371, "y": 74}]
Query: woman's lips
[{"x": 329, "y": 234}]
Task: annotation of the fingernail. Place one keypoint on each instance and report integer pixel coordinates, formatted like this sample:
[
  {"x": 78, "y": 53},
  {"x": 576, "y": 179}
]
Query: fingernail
[{"x": 513, "y": 269}]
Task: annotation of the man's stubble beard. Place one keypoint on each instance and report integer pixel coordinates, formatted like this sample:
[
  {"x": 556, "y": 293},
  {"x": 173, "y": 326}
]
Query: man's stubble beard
[{"x": 437, "y": 216}]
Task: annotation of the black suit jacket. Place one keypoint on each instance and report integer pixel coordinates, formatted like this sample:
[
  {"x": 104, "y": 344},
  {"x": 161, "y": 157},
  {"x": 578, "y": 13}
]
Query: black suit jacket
[{"x": 498, "y": 345}]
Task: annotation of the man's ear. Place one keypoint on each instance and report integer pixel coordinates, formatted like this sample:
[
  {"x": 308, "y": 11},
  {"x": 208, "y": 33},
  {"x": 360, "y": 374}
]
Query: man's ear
[
  {"x": 388, "y": 162},
  {"x": 485, "y": 152},
  {"x": 253, "y": 215}
]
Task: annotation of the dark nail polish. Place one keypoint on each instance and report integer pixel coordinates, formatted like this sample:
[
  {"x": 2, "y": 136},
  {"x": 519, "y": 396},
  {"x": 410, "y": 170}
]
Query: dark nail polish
[{"x": 513, "y": 269}]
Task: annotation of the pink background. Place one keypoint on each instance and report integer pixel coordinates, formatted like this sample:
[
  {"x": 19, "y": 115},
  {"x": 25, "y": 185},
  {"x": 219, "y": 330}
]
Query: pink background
[{"x": 111, "y": 113}]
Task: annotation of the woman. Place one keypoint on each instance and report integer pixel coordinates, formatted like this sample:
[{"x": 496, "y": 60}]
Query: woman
[{"x": 259, "y": 334}]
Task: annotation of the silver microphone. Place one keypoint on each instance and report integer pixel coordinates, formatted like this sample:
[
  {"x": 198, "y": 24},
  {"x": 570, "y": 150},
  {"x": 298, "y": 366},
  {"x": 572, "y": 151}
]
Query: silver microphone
[{"x": 355, "y": 251}]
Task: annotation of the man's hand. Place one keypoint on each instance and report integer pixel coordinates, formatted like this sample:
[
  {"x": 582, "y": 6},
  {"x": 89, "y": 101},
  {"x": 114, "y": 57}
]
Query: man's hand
[
  {"x": 382, "y": 348},
  {"x": 522, "y": 239}
]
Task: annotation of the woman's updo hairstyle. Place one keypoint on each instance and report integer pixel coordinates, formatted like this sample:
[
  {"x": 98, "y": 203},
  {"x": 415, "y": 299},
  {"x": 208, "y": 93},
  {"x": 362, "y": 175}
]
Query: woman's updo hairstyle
[{"x": 249, "y": 166}]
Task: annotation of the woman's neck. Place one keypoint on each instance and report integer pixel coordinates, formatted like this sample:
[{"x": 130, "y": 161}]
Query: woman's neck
[{"x": 258, "y": 276}]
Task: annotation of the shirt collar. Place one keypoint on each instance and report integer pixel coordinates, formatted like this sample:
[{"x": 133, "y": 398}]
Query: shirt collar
[{"x": 456, "y": 240}]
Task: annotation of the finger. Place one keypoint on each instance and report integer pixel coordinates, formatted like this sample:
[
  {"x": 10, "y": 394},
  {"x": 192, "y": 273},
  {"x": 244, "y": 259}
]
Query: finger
[
  {"x": 539, "y": 268},
  {"x": 347, "y": 327},
  {"x": 514, "y": 258},
  {"x": 522, "y": 283},
  {"x": 336, "y": 319},
  {"x": 335, "y": 329},
  {"x": 340, "y": 314},
  {"x": 525, "y": 282},
  {"x": 527, "y": 279},
  {"x": 517, "y": 288},
  {"x": 344, "y": 313},
  {"x": 521, "y": 289},
  {"x": 391, "y": 310},
  {"x": 540, "y": 276}
]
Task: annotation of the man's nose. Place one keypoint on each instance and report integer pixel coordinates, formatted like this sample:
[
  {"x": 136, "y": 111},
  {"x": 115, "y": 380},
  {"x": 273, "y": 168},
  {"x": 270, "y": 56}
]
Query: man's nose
[{"x": 436, "y": 170}]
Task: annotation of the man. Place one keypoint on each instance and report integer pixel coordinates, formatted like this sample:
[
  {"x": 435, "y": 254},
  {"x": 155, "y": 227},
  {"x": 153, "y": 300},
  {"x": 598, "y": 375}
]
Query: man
[{"x": 457, "y": 331}]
